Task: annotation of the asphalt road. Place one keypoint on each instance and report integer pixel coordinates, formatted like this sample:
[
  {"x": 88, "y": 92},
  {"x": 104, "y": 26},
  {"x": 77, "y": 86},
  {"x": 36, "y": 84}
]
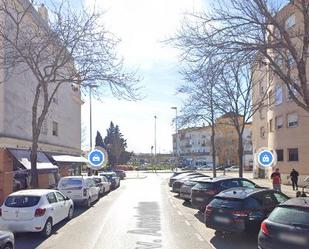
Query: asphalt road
[{"x": 141, "y": 214}]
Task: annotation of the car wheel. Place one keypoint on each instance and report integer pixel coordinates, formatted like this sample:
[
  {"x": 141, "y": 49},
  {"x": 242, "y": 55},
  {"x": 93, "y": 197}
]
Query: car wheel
[
  {"x": 88, "y": 203},
  {"x": 8, "y": 246},
  {"x": 70, "y": 214},
  {"x": 48, "y": 228}
]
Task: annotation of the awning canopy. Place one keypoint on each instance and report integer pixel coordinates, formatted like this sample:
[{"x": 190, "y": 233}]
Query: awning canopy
[
  {"x": 23, "y": 156},
  {"x": 69, "y": 159}
]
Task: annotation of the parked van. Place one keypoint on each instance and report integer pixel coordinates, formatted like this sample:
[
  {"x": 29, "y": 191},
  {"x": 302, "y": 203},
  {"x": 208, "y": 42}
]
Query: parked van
[{"x": 82, "y": 190}]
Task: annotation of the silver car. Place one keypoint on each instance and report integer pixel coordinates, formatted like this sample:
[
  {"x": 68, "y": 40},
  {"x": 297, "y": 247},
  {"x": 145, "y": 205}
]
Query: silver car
[
  {"x": 185, "y": 189},
  {"x": 7, "y": 240}
]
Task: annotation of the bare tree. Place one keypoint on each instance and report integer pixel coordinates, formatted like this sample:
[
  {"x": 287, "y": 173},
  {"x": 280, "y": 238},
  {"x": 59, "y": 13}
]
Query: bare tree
[
  {"x": 71, "y": 47},
  {"x": 264, "y": 31}
]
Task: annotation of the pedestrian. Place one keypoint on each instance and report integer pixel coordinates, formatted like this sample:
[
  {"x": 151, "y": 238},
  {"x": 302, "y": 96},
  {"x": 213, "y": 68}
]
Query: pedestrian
[
  {"x": 276, "y": 177},
  {"x": 294, "y": 178}
]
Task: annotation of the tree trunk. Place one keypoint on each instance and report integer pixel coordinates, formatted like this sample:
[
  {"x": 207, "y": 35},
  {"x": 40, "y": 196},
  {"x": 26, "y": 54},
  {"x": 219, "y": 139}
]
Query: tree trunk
[
  {"x": 34, "y": 183},
  {"x": 213, "y": 150},
  {"x": 240, "y": 155}
]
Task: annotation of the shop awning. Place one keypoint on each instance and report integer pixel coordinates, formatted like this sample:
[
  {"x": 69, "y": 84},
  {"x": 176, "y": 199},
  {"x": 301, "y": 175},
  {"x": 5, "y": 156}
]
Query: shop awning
[
  {"x": 23, "y": 156},
  {"x": 69, "y": 159}
]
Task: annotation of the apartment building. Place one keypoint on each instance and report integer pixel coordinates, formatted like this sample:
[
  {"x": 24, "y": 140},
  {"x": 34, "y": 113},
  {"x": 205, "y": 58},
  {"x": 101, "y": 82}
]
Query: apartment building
[
  {"x": 193, "y": 145},
  {"x": 60, "y": 139},
  {"x": 280, "y": 124}
]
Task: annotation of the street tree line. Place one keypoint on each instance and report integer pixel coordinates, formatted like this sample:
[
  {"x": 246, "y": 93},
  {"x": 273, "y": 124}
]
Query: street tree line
[
  {"x": 233, "y": 48},
  {"x": 70, "y": 47}
]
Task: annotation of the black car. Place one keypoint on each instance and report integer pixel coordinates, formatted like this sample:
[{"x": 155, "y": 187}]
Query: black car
[
  {"x": 120, "y": 173},
  {"x": 202, "y": 193},
  {"x": 178, "y": 183},
  {"x": 6, "y": 240},
  {"x": 112, "y": 178},
  {"x": 287, "y": 226},
  {"x": 241, "y": 209}
]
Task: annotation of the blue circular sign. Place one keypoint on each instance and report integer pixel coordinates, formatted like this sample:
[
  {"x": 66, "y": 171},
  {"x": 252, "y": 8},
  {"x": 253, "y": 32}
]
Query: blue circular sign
[
  {"x": 266, "y": 158},
  {"x": 96, "y": 158}
]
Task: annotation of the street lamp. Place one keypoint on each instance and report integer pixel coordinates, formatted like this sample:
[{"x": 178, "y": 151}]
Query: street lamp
[
  {"x": 176, "y": 132},
  {"x": 90, "y": 112}
]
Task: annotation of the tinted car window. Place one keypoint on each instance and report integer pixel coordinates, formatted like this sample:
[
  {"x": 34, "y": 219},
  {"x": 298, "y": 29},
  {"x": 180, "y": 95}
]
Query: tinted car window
[
  {"x": 51, "y": 198},
  {"x": 266, "y": 199},
  {"x": 290, "y": 215},
  {"x": 229, "y": 184},
  {"x": 70, "y": 182},
  {"x": 280, "y": 198},
  {"x": 22, "y": 201},
  {"x": 252, "y": 203},
  {"x": 247, "y": 184},
  {"x": 204, "y": 185},
  {"x": 227, "y": 203}
]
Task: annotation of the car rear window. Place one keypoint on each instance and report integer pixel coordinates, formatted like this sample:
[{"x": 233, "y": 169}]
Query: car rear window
[
  {"x": 70, "y": 182},
  {"x": 227, "y": 203},
  {"x": 204, "y": 185},
  {"x": 290, "y": 215},
  {"x": 22, "y": 201}
]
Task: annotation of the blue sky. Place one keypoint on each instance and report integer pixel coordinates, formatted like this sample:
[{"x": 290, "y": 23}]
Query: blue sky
[{"x": 142, "y": 25}]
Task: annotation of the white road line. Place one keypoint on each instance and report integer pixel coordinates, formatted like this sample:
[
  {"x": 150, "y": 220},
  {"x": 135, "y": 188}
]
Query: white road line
[
  {"x": 188, "y": 223},
  {"x": 199, "y": 237},
  {"x": 180, "y": 213}
]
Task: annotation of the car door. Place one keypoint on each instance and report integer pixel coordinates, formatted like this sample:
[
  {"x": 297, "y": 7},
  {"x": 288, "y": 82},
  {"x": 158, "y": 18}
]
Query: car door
[
  {"x": 64, "y": 206},
  {"x": 54, "y": 207}
]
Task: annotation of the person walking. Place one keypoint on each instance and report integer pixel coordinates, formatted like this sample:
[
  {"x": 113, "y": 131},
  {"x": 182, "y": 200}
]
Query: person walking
[
  {"x": 294, "y": 178},
  {"x": 276, "y": 177}
]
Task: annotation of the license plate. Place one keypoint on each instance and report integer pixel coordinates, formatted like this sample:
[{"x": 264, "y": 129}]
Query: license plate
[
  {"x": 292, "y": 238},
  {"x": 221, "y": 219},
  {"x": 199, "y": 199}
]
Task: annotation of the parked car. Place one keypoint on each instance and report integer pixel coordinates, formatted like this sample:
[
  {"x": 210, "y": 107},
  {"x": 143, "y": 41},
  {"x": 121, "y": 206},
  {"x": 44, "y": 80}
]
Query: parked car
[
  {"x": 35, "y": 210},
  {"x": 120, "y": 173},
  {"x": 186, "y": 187},
  {"x": 202, "y": 193},
  {"x": 241, "y": 209},
  {"x": 178, "y": 176},
  {"x": 112, "y": 177},
  {"x": 232, "y": 169},
  {"x": 102, "y": 183},
  {"x": 177, "y": 184},
  {"x": 82, "y": 190},
  {"x": 7, "y": 240},
  {"x": 287, "y": 226}
]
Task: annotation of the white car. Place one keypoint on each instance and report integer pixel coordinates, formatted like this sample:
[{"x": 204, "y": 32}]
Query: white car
[
  {"x": 35, "y": 210},
  {"x": 80, "y": 189},
  {"x": 102, "y": 183}
]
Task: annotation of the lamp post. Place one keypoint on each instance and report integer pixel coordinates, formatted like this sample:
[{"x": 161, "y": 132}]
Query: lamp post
[
  {"x": 90, "y": 112},
  {"x": 176, "y": 133}
]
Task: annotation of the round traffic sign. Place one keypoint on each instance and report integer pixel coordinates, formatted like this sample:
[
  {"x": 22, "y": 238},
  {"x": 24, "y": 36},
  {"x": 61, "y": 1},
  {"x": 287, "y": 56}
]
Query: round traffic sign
[
  {"x": 266, "y": 158},
  {"x": 97, "y": 158}
]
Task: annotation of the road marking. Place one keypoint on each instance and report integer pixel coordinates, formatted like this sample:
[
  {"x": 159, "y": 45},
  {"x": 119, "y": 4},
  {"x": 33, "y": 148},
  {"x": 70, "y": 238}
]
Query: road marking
[
  {"x": 180, "y": 213},
  {"x": 199, "y": 237},
  {"x": 188, "y": 223}
]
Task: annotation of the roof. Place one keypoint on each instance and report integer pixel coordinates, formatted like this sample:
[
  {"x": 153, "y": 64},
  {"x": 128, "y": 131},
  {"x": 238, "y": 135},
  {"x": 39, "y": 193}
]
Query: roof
[
  {"x": 69, "y": 159},
  {"x": 36, "y": 192},
  {"x": 241, "y": 192},
  {"x": 297, "y": 202}
]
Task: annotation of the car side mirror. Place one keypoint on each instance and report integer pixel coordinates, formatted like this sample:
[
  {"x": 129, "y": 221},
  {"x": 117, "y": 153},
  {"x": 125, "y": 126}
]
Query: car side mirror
[{"x": 67, "y": 198}]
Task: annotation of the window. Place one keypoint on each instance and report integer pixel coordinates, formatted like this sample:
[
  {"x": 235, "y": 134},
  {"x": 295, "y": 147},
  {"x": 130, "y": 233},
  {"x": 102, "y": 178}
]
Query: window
[
  {"x": 292, "y": 120},
  {"x": 229, "y": 184},
  {"x": 290, "y": 21},
  {"x": 51, "y": 198},
  {"x": 293, "y": 155},
  {"x": 271, "y": 125},
  {"x": 247, "y": 184},
  {"x": 278, "y": 95},
  {"x": 60, "y": 197},
  {"x": 279, "y": 122},
  {"x": 55, "y": 128},
  {"x": 280, "y": 198},
  {"x": 262, "y": 113},
  {"x": 44, "y": 129},
  {"x": 289, "y": 215},
  {"x": 262, "y": 132},
  {"x": 280, "y": 157},
  {"x": 22, "y": 201}
]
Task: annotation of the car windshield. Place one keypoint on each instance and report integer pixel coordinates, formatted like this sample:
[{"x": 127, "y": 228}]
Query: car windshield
[
  {"x": 290, "y": 216},
  {"x": 69, "y": 182},
  {"x": 22, "y": 201}
]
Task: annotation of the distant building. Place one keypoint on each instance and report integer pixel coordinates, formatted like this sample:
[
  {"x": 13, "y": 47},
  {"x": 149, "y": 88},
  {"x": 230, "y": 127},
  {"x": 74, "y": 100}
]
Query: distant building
[
  {"x": 60, "y": 139},
  {"x": 193, "y": 145},
  {"x": 281, "y": 125}
]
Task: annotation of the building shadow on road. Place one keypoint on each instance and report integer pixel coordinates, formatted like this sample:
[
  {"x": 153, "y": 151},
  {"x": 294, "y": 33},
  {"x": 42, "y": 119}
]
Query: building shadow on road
[{"x": 33, "y": 240}]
